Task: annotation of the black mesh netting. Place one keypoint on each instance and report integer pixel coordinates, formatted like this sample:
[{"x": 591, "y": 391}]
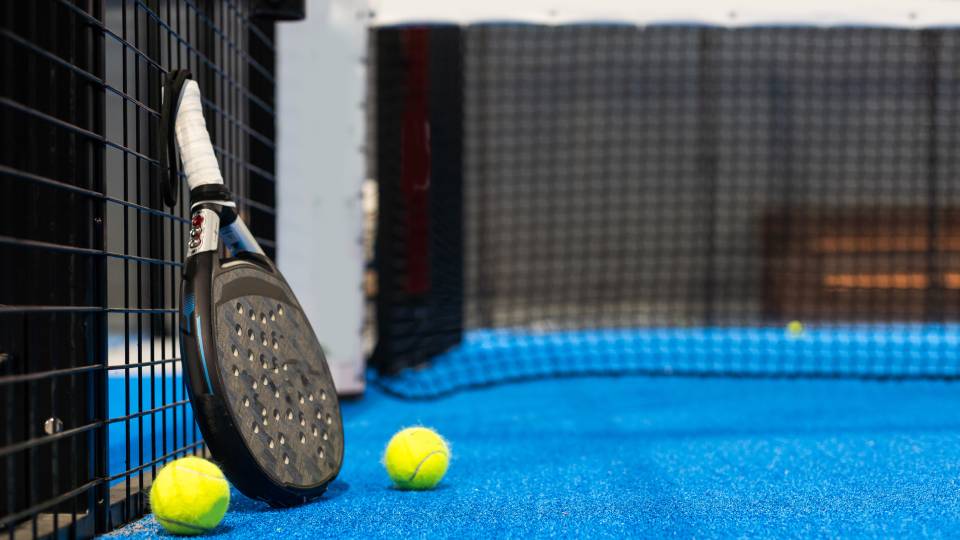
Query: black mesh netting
[{"x": 614, "y": 199}]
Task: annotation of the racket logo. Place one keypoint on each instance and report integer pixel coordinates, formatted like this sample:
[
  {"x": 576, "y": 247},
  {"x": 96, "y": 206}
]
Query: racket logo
[{"x": 204, "y": 232}]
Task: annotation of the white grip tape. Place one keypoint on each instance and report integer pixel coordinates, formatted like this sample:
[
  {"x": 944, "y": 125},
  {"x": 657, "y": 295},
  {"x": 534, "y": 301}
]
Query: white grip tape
[{"x": 193, "y": 141}]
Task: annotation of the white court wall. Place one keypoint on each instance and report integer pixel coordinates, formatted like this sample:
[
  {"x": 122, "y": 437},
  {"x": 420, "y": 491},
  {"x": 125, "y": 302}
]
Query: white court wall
[{"x": 320, "y": 171}]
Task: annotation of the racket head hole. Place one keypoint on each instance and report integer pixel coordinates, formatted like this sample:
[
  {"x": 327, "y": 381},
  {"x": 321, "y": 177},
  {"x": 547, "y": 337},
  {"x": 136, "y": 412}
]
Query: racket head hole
[
  {"x": 239, "y": 330},
  {"x": 239, "y": 308},
  {"x": 249, "y": 355},
  {"x": 325, "y": 436},
  {"x": 253, "y": 316},
  {"x": 303, "y": 439},
  {"x": 276, "y": 414},
  {"x": 286, "y": 459},
  {"x": 280, "y": 310},
  {"x": 235, "y": 350},
  {"x": 270, "y": 444},
  {"x": 250, "y": 334},
  {"x": 323, "y": 395},
  {"x": 236, "y": 371},
  {"x": 283, "y": 440},
  {"x": 263, "y": 319},
  {"x": 320, "y": 451},
  {"x": 256, "y": 428},
  {"x": 289, "y": 414},
  {"x": 272, "y": 316},
  {"x": 246, "y": 402}
]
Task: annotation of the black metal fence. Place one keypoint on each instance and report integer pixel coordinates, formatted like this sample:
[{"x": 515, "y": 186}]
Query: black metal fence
[{"x": 90, "y": 258}]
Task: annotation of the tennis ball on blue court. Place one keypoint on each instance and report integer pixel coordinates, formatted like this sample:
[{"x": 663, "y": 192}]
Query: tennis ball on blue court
[
  {"x": 190, "y": 496},
  {"x": 795, "y": 328},
  {"x": 416, "y": 458}
]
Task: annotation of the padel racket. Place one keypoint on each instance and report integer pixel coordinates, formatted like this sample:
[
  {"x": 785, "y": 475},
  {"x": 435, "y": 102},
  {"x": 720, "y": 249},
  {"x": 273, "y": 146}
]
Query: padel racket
[{"x": 257, "y": 377}]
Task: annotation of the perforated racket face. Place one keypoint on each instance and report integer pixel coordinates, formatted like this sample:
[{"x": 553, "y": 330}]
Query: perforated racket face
[{"x": 279, "y": 389}]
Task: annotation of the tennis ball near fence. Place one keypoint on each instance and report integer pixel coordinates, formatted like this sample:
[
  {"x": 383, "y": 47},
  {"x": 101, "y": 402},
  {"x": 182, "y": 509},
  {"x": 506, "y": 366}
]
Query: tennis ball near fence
[
  {"x": 795, "y": 329},
  {"x": 190, "y": 496},
  {"x": 416, "y": 458}
]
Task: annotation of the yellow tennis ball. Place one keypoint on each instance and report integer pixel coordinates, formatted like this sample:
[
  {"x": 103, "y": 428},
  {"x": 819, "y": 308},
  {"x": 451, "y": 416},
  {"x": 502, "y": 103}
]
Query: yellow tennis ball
[
  {"x": 416, "y": 458},
  {"x": 190, "y": 496},
  {"x": 795, "y": 328}
]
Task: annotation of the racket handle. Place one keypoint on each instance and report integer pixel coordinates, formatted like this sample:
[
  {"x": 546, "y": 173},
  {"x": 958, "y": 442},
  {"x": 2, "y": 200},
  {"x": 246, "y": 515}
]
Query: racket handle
[{"x": 193, "y": 140}]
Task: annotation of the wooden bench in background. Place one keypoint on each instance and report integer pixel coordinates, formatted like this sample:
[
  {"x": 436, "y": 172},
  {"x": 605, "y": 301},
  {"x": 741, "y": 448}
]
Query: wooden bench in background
[{"x": 862, "y": 264}]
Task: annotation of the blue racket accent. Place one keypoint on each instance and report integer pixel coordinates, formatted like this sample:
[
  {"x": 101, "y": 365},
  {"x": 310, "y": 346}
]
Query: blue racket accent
[
  {"x": 203, "y": 357},
  {"x": 189, "y": 304}
]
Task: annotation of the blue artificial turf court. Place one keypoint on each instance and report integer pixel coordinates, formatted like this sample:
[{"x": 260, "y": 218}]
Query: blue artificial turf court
[{"x": 619, "y": 451}]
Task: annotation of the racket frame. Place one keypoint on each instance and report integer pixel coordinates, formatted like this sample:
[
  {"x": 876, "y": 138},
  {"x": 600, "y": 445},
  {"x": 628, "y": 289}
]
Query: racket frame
[{"x": 214, "y": 221}]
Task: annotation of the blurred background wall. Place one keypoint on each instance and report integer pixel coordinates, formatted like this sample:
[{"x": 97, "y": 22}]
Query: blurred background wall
[{"x": 320, "y": 171}]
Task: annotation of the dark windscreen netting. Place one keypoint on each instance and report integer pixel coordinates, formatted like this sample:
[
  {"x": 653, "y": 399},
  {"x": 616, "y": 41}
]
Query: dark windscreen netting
[{"x": 667, "y": 199}]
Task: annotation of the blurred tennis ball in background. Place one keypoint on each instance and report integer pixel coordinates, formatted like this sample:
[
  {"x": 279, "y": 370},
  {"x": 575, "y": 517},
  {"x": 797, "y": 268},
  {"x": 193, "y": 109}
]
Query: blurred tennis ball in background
[
  {"x": 416, "y": 458},
  {"x": 190, "y": 496},
  {"x": 795, "y": 329}
]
